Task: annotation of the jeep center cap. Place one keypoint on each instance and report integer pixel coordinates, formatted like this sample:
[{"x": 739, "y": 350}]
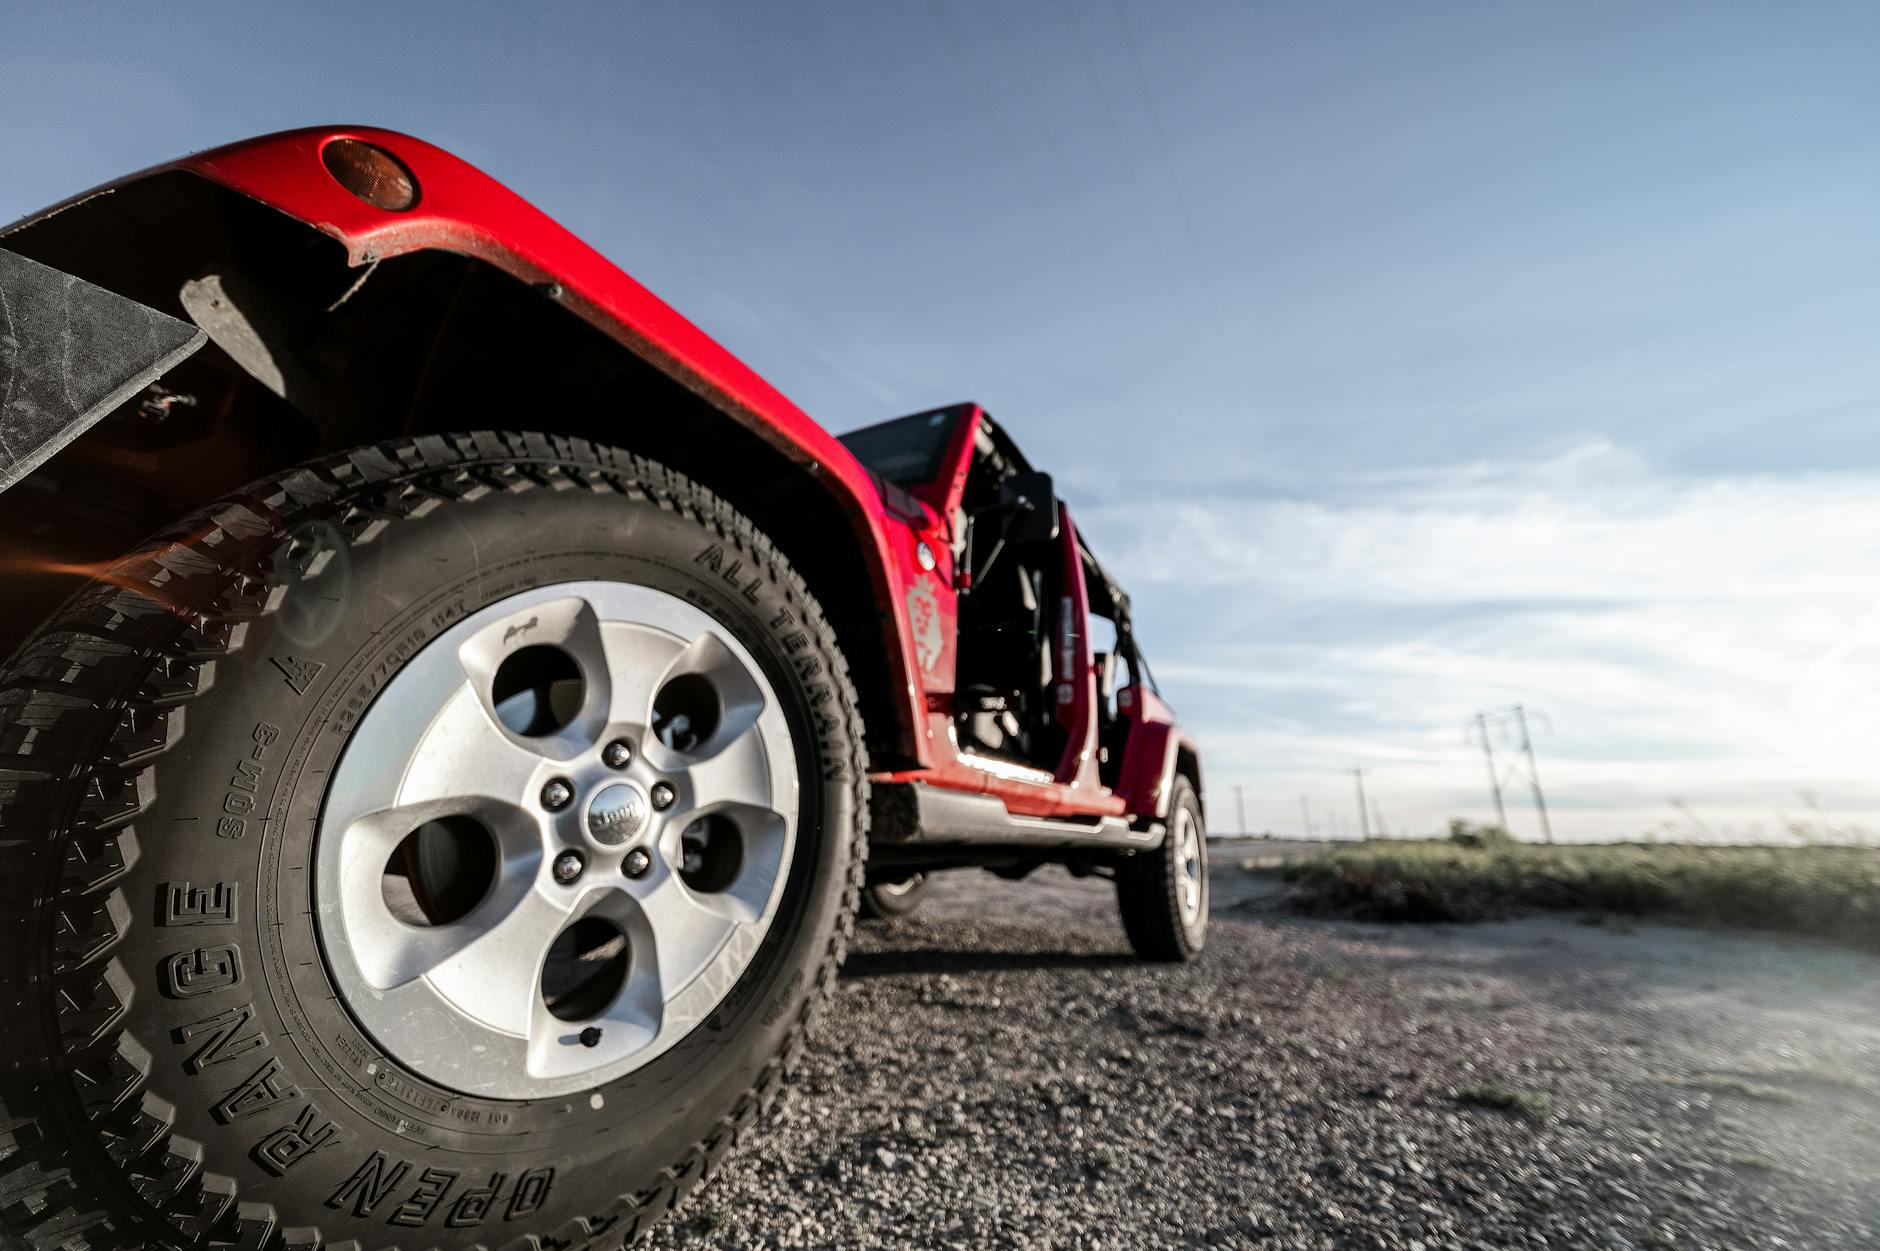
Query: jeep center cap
[{"x": 616, "y": 814}]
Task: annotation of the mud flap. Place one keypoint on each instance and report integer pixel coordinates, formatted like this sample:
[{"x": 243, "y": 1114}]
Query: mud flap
[{"x": 71, "y": 352}]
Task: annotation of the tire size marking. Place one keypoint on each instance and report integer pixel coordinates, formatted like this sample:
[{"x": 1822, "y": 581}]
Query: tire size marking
[
  {"x": 389, "y": 1081},
  {"x": 381, "y": 1179},
  {"x": 370, "y": 1068},
  {"x": 369, "y": 682}
]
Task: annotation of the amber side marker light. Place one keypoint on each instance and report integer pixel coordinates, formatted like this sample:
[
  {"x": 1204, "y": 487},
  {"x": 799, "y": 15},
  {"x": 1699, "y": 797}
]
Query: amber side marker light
[{"x": 372, "y": 174}]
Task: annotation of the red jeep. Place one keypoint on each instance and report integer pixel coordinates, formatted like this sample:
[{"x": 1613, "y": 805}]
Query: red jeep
[{"x": 454, "y": 708}]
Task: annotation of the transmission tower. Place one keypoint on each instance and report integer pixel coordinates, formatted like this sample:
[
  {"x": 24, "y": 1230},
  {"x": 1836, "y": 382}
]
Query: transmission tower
[{"x": 1512, "y": 721}]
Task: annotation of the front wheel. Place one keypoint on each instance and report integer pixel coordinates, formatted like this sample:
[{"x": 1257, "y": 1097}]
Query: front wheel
[
  {"x": 1163, "y": 894},
  {"x": 445, "y": 844},
  {"x": 885, "y": 900}
]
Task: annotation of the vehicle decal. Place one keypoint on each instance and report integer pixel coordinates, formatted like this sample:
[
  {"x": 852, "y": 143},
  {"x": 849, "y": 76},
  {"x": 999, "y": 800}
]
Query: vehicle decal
[{"x": 923, "y": 614}]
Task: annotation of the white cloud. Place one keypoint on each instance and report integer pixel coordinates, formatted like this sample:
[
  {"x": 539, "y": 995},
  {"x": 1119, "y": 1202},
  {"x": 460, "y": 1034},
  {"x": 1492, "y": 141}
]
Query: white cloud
[{"x": 1712, "y": 641}]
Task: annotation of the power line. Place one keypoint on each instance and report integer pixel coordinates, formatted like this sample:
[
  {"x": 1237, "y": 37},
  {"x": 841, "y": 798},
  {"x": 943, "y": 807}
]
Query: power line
[
  {"x": 1201, "y": 272},
  {"x": 1179, "y": 307}
]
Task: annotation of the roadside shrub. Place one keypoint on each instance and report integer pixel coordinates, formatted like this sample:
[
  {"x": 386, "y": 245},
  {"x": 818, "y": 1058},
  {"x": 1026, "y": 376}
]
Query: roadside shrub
[
  {"x": 1824, "y": 892},
  {"x": 1463, "y": 834}
]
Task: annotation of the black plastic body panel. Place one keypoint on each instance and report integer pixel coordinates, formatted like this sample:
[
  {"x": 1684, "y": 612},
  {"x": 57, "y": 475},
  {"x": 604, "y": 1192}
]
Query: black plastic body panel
[{"x": 70, "y": 352}]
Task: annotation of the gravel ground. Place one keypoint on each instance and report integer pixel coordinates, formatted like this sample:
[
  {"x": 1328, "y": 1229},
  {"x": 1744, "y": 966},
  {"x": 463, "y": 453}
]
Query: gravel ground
[{"x": 999, "y": 1072}]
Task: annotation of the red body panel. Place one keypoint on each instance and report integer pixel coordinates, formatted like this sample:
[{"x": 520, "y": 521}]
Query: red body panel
[
  {"x": 1149, "y": 756},
  {"x": 461, "y": 209},
  {"x": 1075, "y": 788}
]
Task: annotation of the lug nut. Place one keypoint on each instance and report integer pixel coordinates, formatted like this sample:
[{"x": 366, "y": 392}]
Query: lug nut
[
  {"x": 617, "y": 754},
  {"x": 568, "y": 866},
  {"x": 637, "y": 863},
  {"x": 663, "y": 795},
  {"x": 557, "y": 794}
]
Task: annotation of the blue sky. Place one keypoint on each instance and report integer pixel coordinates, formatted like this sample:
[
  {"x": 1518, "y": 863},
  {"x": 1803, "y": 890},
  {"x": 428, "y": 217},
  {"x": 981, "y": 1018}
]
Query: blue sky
[{"x": 1404, "y": 360}]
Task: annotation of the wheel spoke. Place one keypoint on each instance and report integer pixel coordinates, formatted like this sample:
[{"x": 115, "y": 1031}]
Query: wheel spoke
[
  {"x": 496, "y": 975},
  {"x": 739, "y": 701},
  {"x": 738, "y": 772},
  {"x": 638, "y": 660},
  {"x": 686, "y": 931},
  {"x": 391, "y": 952},
  {"x": 569, "y": 624},
  {"x": 765, "y": 837},
  {"x": 465, "y": 753},
  {"x": 628, "y": 1023}
]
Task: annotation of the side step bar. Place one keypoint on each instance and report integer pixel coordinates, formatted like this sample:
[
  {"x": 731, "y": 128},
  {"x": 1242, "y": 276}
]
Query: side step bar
[{"x": 913, "y": 814}]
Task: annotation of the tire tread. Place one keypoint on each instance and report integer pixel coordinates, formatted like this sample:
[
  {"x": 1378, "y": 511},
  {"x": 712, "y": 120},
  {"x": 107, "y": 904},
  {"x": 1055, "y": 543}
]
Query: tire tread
[
  {"x": 1147, "y": 896},
  {"x": 99, "y": 693}
]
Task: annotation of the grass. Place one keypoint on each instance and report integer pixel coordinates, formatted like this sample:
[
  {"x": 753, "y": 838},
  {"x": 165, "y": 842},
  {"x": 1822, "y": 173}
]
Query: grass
[
  {"x": 1527, "y": 1104},
  {"x": 1824, "y": 892}
]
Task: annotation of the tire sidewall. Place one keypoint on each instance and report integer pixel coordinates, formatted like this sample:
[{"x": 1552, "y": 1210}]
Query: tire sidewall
[
  {"x": 1193, "y": 935},
  {"x": 230, "y": 835},
  {"x": 889, "y": 905}
]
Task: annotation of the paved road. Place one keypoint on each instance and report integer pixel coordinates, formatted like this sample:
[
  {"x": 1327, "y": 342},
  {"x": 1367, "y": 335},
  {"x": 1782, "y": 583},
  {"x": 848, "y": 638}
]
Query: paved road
[{"x": 998, "y": 1072}]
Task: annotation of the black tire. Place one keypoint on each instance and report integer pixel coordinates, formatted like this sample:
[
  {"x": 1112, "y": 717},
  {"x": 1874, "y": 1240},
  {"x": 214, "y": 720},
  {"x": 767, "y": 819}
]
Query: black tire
[
  {"x": 179, "y": 1069},
  {"x": 886, "y": 899},
  {"x": 1149, "y": 885}
]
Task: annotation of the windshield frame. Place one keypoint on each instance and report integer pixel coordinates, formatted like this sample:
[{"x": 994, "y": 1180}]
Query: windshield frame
[{"x": 911, "y": 451}]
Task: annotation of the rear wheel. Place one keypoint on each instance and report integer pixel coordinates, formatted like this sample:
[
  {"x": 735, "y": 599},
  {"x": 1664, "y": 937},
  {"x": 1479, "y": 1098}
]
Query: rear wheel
[
  {"x": 444, "y": 844},
  {"x": 884, "y": 900},
  {"x": 1163, "y": 894}
]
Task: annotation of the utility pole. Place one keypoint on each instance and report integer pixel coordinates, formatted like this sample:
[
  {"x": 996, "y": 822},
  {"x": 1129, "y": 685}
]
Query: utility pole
[
  {"x": 1240, "y": 807},
  {"x": 1364, "y": 816},
  {"x": 1534, "y": 776},
  {"x": 1494, "y": 776},
  {"x": 1305, "y": 808}
]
